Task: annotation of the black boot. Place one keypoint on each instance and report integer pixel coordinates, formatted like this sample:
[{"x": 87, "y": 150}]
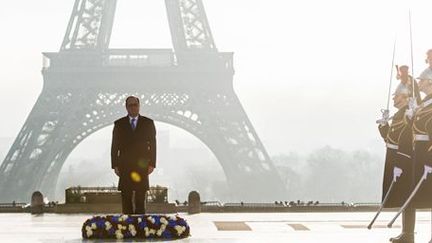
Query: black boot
[
  {"x": 403, "y": 238},
  {"x": 408, "y": 224}
]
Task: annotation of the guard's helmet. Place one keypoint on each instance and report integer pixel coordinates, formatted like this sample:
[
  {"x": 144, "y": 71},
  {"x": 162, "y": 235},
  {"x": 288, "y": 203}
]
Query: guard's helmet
[
  {"x": 402, "y": 89},
  {"x": 403, "y": 68},
  {"x": 426, "y": 74}
]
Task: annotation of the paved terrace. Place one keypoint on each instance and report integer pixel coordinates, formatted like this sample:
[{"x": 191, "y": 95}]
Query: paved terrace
[{"x": 227, "y": 227}]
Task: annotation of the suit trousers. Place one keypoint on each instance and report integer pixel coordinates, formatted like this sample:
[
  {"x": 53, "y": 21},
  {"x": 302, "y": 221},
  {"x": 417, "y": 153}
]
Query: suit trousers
[{"x": 129, "y": 198}]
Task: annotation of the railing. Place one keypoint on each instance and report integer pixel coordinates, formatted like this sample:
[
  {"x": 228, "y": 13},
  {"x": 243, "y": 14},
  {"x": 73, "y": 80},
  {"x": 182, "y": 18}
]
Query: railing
[
  {"x": 212, "y": 203},
  {"x": 375, "y": 204},
  {"x": 139, "y": 57},
  {"x": 252, "y": 205},
  {"x": 12, "y": 205},
  {"x": 92, "y": 189},
  {"x": 270, "y": 204},
  {"x": 132, "y": 58},
  {"x": 80, "y": 194},
  {"x": 75, "y": 194}
]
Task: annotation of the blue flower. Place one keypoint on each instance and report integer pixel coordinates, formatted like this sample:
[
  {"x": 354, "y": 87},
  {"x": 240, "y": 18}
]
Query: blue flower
[
  {"x": 138, "y": 224},
  {"x": 111, "y": 231}
]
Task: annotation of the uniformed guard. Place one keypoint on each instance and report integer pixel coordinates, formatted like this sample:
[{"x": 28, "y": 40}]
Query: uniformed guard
[
  {"x": 406, "y": 79},
  {"x": 422, "y": 134},
  {"x": 398, "y": 162}
]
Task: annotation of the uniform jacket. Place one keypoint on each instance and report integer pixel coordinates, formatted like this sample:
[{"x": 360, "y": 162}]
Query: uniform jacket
[
  {"x": 398, "y": 138},
  {"x": 422, "y": 125}
]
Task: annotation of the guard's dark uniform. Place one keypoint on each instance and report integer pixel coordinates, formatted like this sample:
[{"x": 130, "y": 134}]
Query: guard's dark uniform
[
  {"x": 398, "y": 138},
  {"x": 422, "y": 129}
]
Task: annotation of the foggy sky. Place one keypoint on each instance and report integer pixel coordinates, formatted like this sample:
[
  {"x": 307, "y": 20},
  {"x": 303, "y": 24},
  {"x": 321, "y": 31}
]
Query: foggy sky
[{"x": 308, "y": 73}]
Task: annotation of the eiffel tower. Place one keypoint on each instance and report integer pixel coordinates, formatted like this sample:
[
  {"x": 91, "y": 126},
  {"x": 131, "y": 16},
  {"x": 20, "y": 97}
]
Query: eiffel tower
[{"x": 189, "y": 86}]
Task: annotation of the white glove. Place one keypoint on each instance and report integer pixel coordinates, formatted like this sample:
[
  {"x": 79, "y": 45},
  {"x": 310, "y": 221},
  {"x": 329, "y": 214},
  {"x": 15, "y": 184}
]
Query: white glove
[
  {"x": 396, "y": 173},
  {"x": 409, "y": 113},
  {"x": 427, "y": 171},
  {"x": 412, "y": 104},
  {"x": 385, "y": 117},
  {"x": 412, "y": 107}
]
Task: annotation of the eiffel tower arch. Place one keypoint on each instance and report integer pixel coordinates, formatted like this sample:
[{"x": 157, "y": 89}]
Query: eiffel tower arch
[{"x": 189, "y": 86}]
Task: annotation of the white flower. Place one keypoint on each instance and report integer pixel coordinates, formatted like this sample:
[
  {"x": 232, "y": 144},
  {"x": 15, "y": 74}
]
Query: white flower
[
  {"x": 160, "y": 231},
  {"x": 120, "y": 227},
  {"x": 108, "y": 225},
  {"x": 151, "y": 219},
  {"x": 163, "y": 227},
  {"x": 139, "y": 220},
  {"x": 132, "y": 229},
  {"x": 179, "y": 229},
  {"x": 146, "y": 231},
  {"x": 93, "y": 225},
  {"x": 118, "y": 234},
  {"x": 163, "y": 221},
  {"x": 123, "y": 217},
  {"x": 172, "y": 217},
  {"x": 89, "y": 231}
]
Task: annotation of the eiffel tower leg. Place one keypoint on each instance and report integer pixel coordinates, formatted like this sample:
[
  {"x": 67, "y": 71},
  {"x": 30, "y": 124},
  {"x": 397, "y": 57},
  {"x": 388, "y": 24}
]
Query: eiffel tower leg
[
  {"x": 218, "y": 119},
  {"x": 22, "y": 165},
  {"x": 59, "y": 121},
  {"x": 249, "y": 169}
]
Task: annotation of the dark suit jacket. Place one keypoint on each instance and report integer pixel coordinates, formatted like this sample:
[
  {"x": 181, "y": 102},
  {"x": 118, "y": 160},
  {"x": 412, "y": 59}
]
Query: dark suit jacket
[{"x": 132, "y": 151}]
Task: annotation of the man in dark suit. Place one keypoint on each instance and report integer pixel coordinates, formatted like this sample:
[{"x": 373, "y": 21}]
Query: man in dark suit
[{"x": 133, "y": 156}]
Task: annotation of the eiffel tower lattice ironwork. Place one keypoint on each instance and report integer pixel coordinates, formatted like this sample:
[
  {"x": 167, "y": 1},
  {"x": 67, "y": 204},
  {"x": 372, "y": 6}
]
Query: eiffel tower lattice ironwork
[{"x": 189, "y": 86}]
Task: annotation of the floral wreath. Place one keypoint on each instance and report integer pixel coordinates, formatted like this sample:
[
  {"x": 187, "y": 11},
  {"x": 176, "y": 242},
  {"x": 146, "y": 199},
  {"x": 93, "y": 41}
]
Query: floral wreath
[{"x": 135, "y": 226}]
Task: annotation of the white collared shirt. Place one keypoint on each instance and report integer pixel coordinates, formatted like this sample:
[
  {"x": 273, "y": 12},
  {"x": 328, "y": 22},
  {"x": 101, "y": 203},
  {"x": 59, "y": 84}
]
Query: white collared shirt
[{"x": 136, "y": 120}]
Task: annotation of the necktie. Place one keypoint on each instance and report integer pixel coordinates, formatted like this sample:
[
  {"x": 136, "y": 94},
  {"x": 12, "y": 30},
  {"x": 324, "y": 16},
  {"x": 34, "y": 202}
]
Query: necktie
[{"x": 133, "y": 124}]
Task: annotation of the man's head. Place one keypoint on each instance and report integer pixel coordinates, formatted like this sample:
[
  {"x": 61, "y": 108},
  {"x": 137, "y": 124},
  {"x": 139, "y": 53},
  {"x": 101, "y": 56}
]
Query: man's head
[
  {"x": 400, "y": 100},
  {"x": 132, "y": 105},
  {"x": 401, "y": 96},
  {"x": 425, "y": 85},
  {"x": 403, "y": 74},
  {"x": 403, "y": 70},
  {"x": 425, "y": 81},
  {"x": 429, "y": 57}
]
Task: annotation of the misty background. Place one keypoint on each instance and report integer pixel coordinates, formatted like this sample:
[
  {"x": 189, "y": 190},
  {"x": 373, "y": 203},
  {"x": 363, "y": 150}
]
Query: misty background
[{"x": 311, "y": 75}]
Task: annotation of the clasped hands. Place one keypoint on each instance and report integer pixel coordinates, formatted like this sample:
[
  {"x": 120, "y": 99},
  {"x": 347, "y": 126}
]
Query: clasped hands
[{"x": 149, "y": 171}]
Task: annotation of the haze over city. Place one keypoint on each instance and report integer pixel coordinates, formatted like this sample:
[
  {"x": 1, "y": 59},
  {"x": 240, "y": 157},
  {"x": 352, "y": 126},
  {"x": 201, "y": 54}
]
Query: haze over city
[{"x": 311, "y": 78}]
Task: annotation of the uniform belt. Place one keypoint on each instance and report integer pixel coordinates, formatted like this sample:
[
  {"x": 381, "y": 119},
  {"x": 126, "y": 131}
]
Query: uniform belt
[
  {"x": 392, "y": 146},
  {"x": 421, "y": 137}
]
